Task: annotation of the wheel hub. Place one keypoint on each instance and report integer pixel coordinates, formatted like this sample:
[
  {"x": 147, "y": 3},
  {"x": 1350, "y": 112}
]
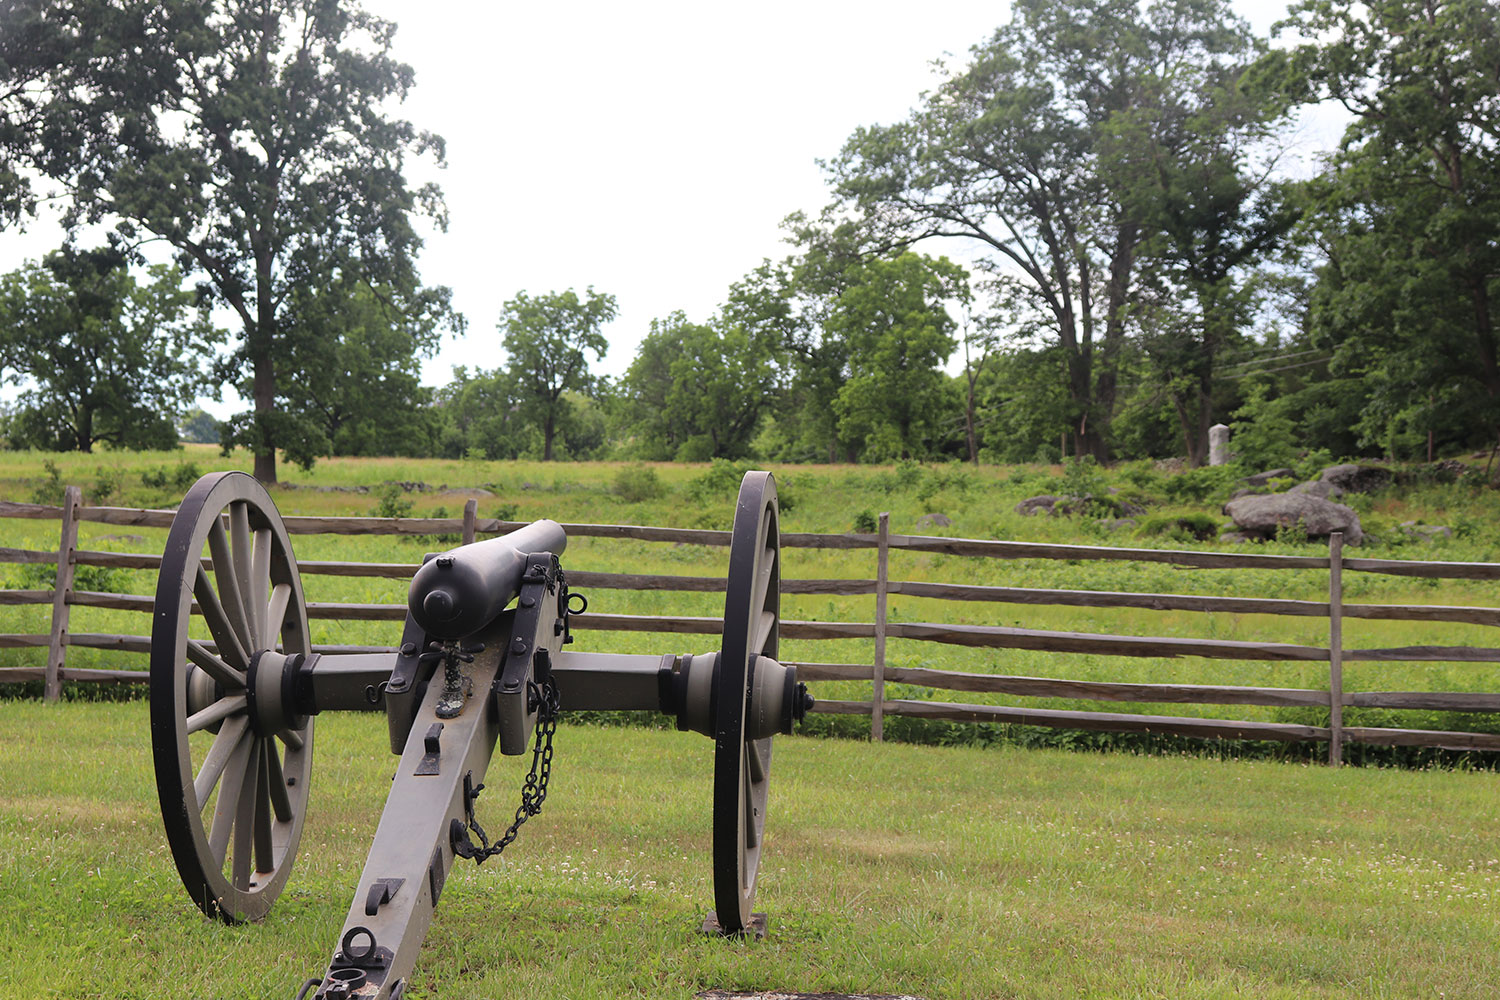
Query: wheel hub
[{"x": 271, "y": 692}]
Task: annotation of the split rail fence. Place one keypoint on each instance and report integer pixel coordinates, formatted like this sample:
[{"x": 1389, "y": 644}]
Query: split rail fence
[{"x": 62, "y": 597}]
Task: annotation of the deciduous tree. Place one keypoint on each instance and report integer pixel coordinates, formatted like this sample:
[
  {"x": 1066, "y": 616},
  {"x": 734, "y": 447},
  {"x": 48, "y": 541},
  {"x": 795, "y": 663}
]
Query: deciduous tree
[
  {"x": 251, "y": 137},
  {"x": 547, "y": 339},
  {"x": 104, "y": 360}
]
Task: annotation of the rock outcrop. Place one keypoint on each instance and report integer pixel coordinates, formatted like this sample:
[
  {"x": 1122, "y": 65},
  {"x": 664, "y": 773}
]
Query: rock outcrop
[{"x": 1264, "y": 516}]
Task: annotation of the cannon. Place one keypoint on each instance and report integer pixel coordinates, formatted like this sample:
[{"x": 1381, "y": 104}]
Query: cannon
[{"x": 235, "y": 688}]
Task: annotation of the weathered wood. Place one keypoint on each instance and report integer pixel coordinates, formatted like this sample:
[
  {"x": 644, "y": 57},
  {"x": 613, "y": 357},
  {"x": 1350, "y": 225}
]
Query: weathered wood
[
  {"x": 471, "y": 518},
  {"x": 831, "y": 707},
  {"x": 62, "y": 589},
  {"x": 1422, "y": 612},
  {"x": 1042, "y": 550},
  {"x": 26, "y": 556},
  {"x": 997, "y": 637},
  {"x": 1335, "y": 649},
  {"x": 645, "y": 581},
  {"x": 789, "y": 629},
  {"x": 118, "y": 560},
  {"x": 1050, "y": 687},
  {"x": 1448, "y": 701},
  {"x": 21, "y": 675},
  {"x": 26, "y": 596},
  {"x": 831, "y": 671},
  {"x": 1427, "y": 654},
  {"x": 882, "y": 585},
  {"x": 1422, "y": 738},
  {"x": 1225, "y": 729},
  {"x": 1442, "y": 570},
  {"x": 1109, "y": 599},
  {"x": 356, "y": 612},
  {"x": 13, "y": 640}
]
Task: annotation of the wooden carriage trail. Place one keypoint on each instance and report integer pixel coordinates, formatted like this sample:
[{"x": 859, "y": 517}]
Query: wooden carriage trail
[{"x": 68, "y": 555}]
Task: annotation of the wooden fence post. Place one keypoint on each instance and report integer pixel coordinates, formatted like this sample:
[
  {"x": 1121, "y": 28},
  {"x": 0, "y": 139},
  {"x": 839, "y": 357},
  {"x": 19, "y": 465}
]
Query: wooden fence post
[
  {"x": 1336, "y": 648},
  {"x": 471, "y": 516},
  {"x": 882, "y": 582},
  {"x": 62, "y": 589}
]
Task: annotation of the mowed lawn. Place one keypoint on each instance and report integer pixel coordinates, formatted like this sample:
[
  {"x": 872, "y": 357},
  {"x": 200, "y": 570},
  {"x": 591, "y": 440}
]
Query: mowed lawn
[{"x": 939, "y": 872}]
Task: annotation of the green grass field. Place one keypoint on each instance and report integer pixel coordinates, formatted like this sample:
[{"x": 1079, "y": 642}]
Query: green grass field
[
  {"x": 828, "y": 499},
  {"x": 937, "y": 871},
  {"x": 941, "y": 872}
]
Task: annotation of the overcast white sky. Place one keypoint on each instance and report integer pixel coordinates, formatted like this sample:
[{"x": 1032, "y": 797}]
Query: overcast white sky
[{"x": 648, "y": 149}]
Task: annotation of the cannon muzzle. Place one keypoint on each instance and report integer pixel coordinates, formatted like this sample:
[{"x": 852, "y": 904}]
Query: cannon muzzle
[{"x": 458, "y": 592}]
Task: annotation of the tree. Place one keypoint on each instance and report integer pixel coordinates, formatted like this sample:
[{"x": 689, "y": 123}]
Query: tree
[
  {"x": 697, "y": 391},
  {"x": 899, "y": 335},
  {"x": 1406, "y": 219},
  {"x": 546, "y": 339},
  {"x": 352, "y": 367},
  {"x": 249, "y": 137},
  {"x": 107, "y": 360},
  {"x": 1027, "y": 151},
  {"x": 198, "y": 426},
  {"x": 1216, "y": 217}
]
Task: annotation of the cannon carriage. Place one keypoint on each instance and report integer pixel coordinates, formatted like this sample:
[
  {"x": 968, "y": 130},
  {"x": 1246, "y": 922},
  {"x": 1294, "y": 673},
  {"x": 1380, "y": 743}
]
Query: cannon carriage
[{"x": 236, "y": 688}]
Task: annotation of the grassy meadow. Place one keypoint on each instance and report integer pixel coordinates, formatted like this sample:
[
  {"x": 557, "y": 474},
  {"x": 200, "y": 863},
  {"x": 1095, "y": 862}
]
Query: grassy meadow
[
  {"x": 980, "y": 502},
  {"x": 942, "y": 872},
  {"x": 939, "y": 872}
]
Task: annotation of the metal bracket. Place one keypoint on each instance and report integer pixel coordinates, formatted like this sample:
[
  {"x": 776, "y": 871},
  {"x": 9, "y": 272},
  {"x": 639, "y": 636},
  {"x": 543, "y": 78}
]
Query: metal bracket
[
  {"x": 382, "y": 892},
  {"x": 432, "y": 744}
]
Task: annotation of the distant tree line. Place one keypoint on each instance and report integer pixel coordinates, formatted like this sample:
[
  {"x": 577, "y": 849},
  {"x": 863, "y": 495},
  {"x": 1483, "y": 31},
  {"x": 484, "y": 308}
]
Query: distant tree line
[{"x": 1137, "y": 266}]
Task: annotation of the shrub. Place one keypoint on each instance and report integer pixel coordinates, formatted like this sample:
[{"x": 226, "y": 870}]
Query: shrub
[
  {"x": 1196, "y": 527},
  {"x": 107, "y": 483},
  {"x": 49, "y": 490},
  {"x": 865, "y": 523},
  {"x": 392, "y": 502},
  {"x": 637, "y": 483},
  {"x": 721, "y": 479}
]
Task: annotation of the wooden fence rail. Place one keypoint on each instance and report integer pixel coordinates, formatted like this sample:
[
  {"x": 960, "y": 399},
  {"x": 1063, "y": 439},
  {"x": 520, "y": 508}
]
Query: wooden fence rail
[{"x": 62, "y": 597}]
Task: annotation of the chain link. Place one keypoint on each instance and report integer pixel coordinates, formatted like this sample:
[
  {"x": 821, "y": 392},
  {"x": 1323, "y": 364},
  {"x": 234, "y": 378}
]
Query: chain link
[{"x": 533, "y": 791}]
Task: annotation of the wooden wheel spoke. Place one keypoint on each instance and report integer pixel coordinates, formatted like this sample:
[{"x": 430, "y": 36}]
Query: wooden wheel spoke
[
  {"x": 219, "y": 710},
  {"x": 763, "y": 580},
  {"x": 233, "y": 802},
  {"x": 228, "y": 582},
  {"x": 260, "y": 585},
  {"x": 265, "y": 859},
  {"x": 281, "y": 596},
  {"x": 244, "y": 821},
  {"x": 765, "y": 628},
  {"x": 217, "y": 618},
  {"x": 236, "y": 773},
  {"x": 242, "y": 562},
  {"x": 281, "y": 802},
  {"x": 756, "y": 771},
  {"x": 213, "y": 666},
  {"x": 224, "y": 746},
  {"x": 752, "y": 836}
]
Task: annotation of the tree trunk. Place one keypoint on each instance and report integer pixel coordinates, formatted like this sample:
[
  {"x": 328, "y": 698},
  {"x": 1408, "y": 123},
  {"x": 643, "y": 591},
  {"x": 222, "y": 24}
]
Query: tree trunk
[
  {"x": 263, "y": 385},
  {"x": 548, "y": 430}
]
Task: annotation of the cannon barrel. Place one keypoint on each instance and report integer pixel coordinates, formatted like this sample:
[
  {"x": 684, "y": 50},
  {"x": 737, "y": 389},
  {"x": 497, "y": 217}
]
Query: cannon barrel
[{"x": 460, "y": 591}]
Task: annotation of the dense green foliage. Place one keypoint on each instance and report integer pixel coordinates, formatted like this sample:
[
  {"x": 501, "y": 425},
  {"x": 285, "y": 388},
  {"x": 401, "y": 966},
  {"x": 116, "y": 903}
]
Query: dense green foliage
[
  {"x": 104, "y": 360},
  {"x": 1136, "y": 265}
]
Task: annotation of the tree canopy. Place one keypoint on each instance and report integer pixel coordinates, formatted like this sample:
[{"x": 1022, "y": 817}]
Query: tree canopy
[
  {"x": 547, "y": 340},
  {"x": 102, "y": 359},
  {"x": 250, "y": 137}
]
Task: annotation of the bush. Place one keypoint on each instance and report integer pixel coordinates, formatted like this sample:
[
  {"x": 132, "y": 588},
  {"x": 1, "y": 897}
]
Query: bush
[
  {"x": 637, "y": 483},
  {"x": 721, "y": 479},
  {"x": 49, "y": 490},
  {"x": 1200, "y": 485},
  {"x": 392, "y": 502},
  {"x": 865, "y": 523},
  {"x": 1196, "y": 527}
]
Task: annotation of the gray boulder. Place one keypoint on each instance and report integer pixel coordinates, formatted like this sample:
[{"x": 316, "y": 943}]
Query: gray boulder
[
  {"x": 1264, "y": 515},
  {"x": 1353, "y": 478},
  {"x": 1037, "y": 505},
  {"x": 1319, "y": 488},
  {"x": 1264, "y": 478},
  {"x": 934, "y": 520}
]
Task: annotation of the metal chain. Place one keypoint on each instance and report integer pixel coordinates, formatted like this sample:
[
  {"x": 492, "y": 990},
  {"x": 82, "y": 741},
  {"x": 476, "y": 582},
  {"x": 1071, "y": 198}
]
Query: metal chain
[{"x": 533, "y": 791}]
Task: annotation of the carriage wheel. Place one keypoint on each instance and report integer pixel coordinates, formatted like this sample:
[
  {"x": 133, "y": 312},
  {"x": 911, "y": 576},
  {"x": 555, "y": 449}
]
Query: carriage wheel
[
  {"x": 232, "y": 758},
  {"x": 742, "y": 767}
]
